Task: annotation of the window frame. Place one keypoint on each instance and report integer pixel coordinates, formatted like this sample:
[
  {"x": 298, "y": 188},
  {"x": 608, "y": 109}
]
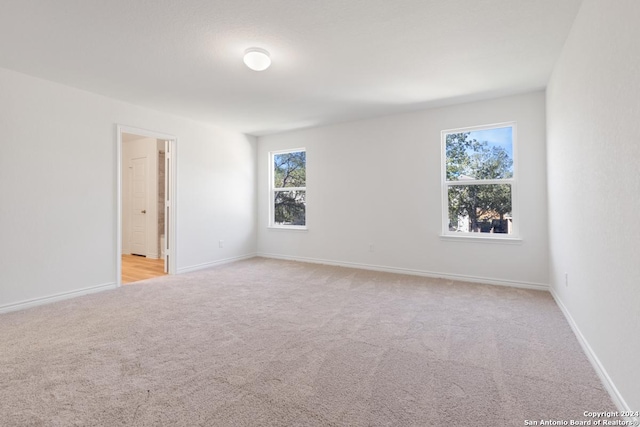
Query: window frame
[
  {"x": 513, "y": 181},
  {"x": 273, "y": 190}
]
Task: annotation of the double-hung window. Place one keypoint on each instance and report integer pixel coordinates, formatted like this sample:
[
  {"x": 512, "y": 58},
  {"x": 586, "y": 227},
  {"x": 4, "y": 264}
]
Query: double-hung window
[
  {"x": 479, "y": 181},
  {"x": 288, "y": 190}
]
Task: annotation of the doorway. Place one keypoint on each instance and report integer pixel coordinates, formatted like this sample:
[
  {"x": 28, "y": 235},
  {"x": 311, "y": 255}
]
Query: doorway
[{"x": 146, "y": 212}]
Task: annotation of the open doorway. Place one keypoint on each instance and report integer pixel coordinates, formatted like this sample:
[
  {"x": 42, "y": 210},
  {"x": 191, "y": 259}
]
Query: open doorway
[{"x": 146, "y": 212}]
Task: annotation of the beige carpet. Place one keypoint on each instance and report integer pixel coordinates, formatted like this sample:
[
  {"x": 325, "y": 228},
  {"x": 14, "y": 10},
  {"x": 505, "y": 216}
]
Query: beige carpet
[{"x": 275, "y": 343}]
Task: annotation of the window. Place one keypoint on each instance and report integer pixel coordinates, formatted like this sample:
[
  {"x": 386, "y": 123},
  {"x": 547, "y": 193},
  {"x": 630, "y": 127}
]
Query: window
[
  {"x": 479, "y": 181},
  {"x": 288, "y": 188}
]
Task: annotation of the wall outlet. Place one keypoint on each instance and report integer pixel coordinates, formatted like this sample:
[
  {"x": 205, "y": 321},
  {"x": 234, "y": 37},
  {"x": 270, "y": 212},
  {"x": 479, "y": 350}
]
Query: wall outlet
[
  {"x": 372, "y": 248},
  {"x": 221, "y": 243},
  {"x": 566, "y": 279}
]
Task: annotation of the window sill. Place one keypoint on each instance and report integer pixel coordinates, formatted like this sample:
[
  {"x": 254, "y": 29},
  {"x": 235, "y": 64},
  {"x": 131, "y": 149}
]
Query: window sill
[
  {"x": 288, "y": 228},
  {"x": 490, "y": 238}
]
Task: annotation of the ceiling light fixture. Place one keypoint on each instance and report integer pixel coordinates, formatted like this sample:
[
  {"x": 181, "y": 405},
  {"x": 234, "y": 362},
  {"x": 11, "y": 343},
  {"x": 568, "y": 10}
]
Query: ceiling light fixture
[{"x": 257, "y": 59}]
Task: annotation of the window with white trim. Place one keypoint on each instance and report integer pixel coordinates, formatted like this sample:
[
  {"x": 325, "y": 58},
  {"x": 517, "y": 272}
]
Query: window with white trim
[
  {"x": 288, "y": 188},
  {"x": 479, "y": 181}
]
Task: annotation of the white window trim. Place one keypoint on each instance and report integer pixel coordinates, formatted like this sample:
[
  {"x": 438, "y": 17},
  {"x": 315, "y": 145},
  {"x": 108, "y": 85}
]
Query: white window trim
[
  {"x": 272, "y": 191},
  {"x": 512, "y": 238}
]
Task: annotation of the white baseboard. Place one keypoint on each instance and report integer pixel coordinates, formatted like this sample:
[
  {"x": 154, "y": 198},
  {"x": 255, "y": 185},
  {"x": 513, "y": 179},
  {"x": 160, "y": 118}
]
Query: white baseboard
[
  {"x": 21, "y": 305},
  {"x": 617, "y": 398},
  {"x": 202, "y": 266},
  {"x": 424, "y": 273}
]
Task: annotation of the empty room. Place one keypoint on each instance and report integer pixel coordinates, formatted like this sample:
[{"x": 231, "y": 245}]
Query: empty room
[{"x": 320, "y": 213}]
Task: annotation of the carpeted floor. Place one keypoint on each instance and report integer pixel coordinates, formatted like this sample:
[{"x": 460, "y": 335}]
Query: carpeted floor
[{"x": 276, "y": 343}]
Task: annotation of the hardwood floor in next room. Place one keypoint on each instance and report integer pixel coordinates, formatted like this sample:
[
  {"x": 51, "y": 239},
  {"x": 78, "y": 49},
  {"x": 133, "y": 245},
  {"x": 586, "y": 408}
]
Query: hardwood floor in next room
[{"x": 135, "y": 268}]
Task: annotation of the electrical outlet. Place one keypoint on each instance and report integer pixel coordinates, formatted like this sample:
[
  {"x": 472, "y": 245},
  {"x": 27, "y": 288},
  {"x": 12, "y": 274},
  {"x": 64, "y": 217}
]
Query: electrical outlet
[
  {"x": 372, "y": 248},
  {"x": 566, "y": 279},
  {"x": 221, "y": 243}
]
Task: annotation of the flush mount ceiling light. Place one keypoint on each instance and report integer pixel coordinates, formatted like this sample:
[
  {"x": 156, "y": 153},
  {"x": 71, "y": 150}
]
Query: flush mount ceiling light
[{"x": 257, "y": 59}]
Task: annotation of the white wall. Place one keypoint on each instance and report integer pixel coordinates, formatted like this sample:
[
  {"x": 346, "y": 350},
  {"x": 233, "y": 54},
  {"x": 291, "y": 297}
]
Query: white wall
[
  {"x": 58, "y": 187},
  {"x": 379, "y": 182},
  {"x": 593, "y": 114}
]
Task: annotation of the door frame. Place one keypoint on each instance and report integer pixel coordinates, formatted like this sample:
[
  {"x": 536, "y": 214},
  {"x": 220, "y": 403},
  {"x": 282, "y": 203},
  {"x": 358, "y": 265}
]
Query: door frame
[{"x": 170, "y": 176}]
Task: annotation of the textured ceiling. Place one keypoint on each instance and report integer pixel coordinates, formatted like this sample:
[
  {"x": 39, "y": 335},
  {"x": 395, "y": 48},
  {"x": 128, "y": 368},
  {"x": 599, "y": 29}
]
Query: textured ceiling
[{"x": 333, "y": 60}]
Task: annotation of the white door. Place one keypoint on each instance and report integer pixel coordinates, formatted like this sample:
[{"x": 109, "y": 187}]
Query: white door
[
  {"x": 139, "y": 206},
  {"x": 167, "y": 203}
]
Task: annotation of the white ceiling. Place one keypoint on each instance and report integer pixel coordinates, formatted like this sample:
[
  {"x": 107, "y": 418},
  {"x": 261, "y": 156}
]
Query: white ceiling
[{"x": 333, "y": 60}]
